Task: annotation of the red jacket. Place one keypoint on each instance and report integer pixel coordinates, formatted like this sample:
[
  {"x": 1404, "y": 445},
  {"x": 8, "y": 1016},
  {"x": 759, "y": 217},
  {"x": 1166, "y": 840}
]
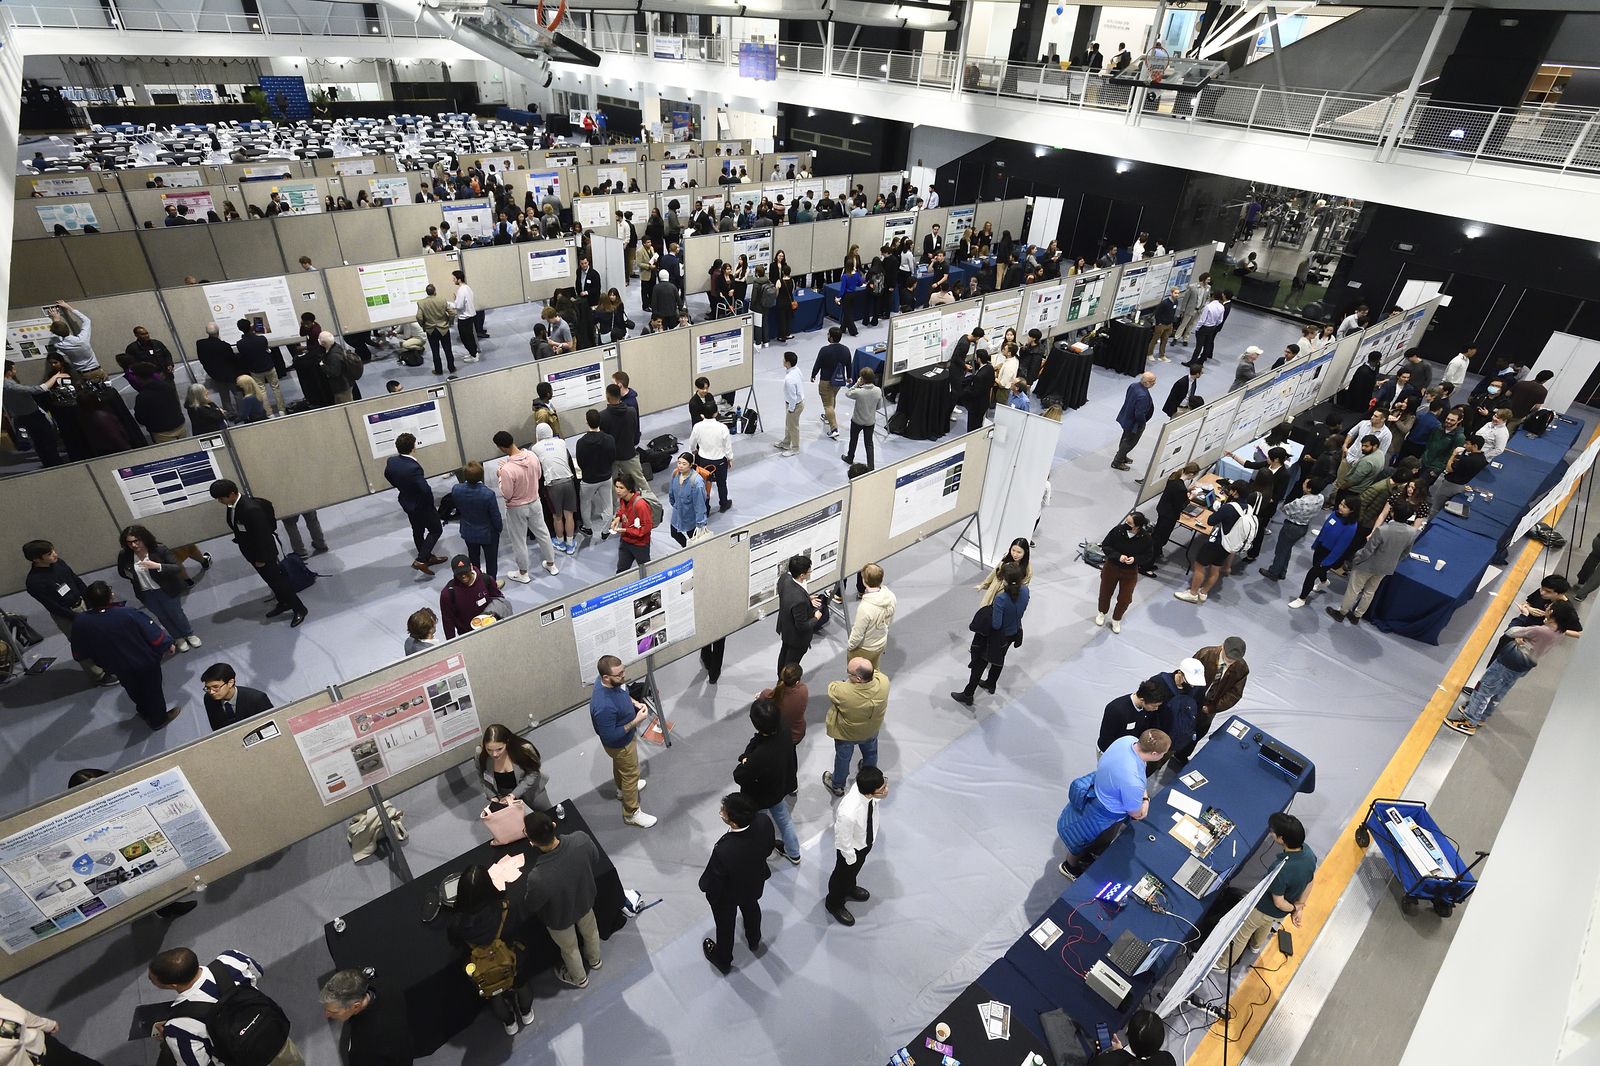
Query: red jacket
[
  {"x": 459, "y": 604},
  {"x": 636, "y": 524}
]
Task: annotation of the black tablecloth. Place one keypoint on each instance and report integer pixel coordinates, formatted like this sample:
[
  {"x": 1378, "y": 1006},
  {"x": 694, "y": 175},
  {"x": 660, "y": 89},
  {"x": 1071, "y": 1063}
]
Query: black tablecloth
[
  {"x": 923, "y": 412},
  {"x": 1125, "y": 350},
  {"x": 1065, "y": 375},
  {"x": 968, "y": 1037},
  {"x": 416, "y": 963}
]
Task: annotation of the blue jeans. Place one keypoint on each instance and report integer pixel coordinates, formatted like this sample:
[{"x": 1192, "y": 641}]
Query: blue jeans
[
  {"x": 1492, "y": 687},
  {"x": 843, "y": 749},
  {"x": 169, "y": 612},
  {"x": 1289, "y": 534},
  {"x": 779, "y": 813}
]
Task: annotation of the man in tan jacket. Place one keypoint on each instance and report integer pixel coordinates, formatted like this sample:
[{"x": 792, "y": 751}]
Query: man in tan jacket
[
  {"x": 870, "y": 633},
  {"x": 856, "y": 707},
  {"x": 434, "y": 316}
]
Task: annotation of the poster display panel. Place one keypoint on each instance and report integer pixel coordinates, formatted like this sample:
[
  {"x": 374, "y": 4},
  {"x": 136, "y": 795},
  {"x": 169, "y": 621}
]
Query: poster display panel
[
  {"x": 63, "y": 186},
  {"x": 756, "y": 245},
  {"x": 635, "y": 620},
  {"x": 960, "y": 220},
  {"x": 393, "y": 290},
  {"x": 72, "y": 217},
  {"x": 1045, "y": 305},
  {"x": 350, "y": 168},
  {"x": 1182, "y": 272},
  {"x": 927, "y": 489},
  {"x": 423, "y": 420},
  {"x": 1217, "y": 430},
  {"x": 1087, "y": 292},
  {"x": 594, "y": 213},
  {"x": 916, "y": 341},
  {"x": 815, "y": 535},
  {"x": 171, "y": 484},
  {"x": 266, "y": 302},
  {"x": 387, "y": 190},
  {"x": 26, "y": 338},
  {"x": 304, "y": 198},
  {"x": 578, "y": 387},
  {"x": 549, "y": 264},
  {"x": 196, "y": 203},
  {"x": 1129, "y": 288},
  {"x": 719, "y": 350},
  {"x": 474, "y": 219},
  {"x": 1000, "y": 313},
  {"x": 898, "y": 226},
  {"x": 958, "y": 320}
]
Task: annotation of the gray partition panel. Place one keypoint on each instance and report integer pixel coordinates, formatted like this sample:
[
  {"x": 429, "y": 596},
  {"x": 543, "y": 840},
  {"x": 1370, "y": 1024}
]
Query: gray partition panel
[
  {"x": 108, "y": 263},
  {"x": 308, "y": 235},
  {"x": 867, "y": 231},
  {"x": 795, "y": 244},
  {"x": 658, "y": 369},
  {"x": 830, "y": 241},
  {"x": 113, "y": 319},
  {"x": 62, "y": 505},
  {"x": 147, "y": 205},
  {"x": 435, "y": 458},
  {"x": 868, "y": 537},
  {"x": 1012, "y": 212},
  {"x": 190, "y": 312},
  {"x": 927, "y": 219},
  {"x": 503, "y": 399},
  {"x": 364, "y": 236},
  {"x": 110, "y": 214},
  {"x": 729, "y": 378},
  {"x": 344, "y": 289},
  {"x": 176, "y": 252},
  {"x": 268, "y": 450},
  {"x": 410, "y": 223},
  {"x": 698, "y": 255},
  {"x": 49, "y": 276},
  {"x": 250, "y": 249},
  {"x": 189, "y": 525},
  {"x": 545, "y": 287},
  {"x": 495, "y": 274},
  {"x": 988, "y": 211}
]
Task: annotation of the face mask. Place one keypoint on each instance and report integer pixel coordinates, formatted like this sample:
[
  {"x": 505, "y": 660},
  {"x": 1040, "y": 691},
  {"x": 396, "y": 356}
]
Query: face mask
[{"x": 1494, "y": 390}]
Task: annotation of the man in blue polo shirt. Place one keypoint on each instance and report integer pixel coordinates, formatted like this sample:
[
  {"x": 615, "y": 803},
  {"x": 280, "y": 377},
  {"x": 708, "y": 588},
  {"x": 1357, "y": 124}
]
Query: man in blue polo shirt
[
  {"x": 1099, "y": 803},
  {"x": 616, "y": 716},
  {"x": 1285, "y": 897}
]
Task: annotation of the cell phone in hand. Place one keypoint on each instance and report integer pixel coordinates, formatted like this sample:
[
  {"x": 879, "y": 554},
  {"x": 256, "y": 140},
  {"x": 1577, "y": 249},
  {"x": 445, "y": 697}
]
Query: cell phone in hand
[{"x": 1102, "y": 1036}]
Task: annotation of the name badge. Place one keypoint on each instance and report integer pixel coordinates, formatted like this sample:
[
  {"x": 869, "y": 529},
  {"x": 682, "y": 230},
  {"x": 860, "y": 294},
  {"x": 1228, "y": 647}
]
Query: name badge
[{"x": 483, "y": 601}]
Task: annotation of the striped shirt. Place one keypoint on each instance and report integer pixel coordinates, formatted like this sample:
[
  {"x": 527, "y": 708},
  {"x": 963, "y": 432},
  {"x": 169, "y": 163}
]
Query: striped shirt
[{"x": 187, "y": 1038}]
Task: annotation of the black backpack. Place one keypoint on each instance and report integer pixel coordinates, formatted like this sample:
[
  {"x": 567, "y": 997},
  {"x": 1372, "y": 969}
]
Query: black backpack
[
  {"x": 245, "y": 1026},
  {"x": 1537, "y": 423}
]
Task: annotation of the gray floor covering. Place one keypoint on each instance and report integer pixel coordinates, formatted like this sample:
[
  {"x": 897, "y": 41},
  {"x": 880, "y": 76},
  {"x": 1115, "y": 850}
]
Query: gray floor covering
[{"x": 968, "y": 847}]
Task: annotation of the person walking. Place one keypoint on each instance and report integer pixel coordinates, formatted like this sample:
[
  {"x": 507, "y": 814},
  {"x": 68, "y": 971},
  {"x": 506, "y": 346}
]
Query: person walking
[
  {"x": 467, "y": 594},
  {"x": 254, "y": 528},
  {"x": 995, "y": 630},
  {"x": 519, "y": 475},
  {"x": 1128, "y": 551},
  {"x": 558, "y": 888},
  {"x": 29, "y": 1039},
  {"x": 186, "y": 1031},
  {"x": 1100, "y": 802},
  {"x": 831, "y": 372},
  {"x": 856, "y": 709},
  {"x": 869, "y": 633},
  {"x": 1195, "y": 297},
  {"x": 1330, "y": 548},
  {"x": 434, "y": 316},
  {"x": 464, "y": 306},
  {"x": 596, "y": 455},
  {"x": 855, "y": 831},
  {"x": 1226, "y": 674},
  {"x": 616, "y": 717},
  {"x": 1298, "y": 514},
  {"x": 157, "y": 580},
  {"x": 1375, "y": 560},
  {"x": 416, "y": 501},
  {"x": 866, "y": 398},
  {"x": 712, "y": 446},
  {"x": 60, "y": 591},
  {"x": 1134, "y": 415},
  {"x": 799, "y": 612},
  {"x": 129, "y": 644},
  {"x": 767, "y": 774},
  {"x": 1528, "y": 644},
  {"x": 1208, "y": 325},
  {"x": 479, "y": 515},
  {"x": 735, "y": 876},
  {"x": 688, "y": 496},
  {"x": 794, "y": 404},
  {"x": 634, "y": 521}
]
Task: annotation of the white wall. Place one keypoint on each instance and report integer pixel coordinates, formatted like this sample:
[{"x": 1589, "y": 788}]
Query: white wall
[
  {"x": 992, "y": 24},
  {"x": 931, "y": 146},
  {"x": 1058, "y": 31},
  {"x": 752, "y": 125},
  {"x": 1129, "y": 25}
]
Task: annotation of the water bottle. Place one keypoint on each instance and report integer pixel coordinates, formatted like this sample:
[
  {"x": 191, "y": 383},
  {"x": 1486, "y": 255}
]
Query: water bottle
[
  {"x": 561, "y": 812},
  {"x": 338, "y": 925}
]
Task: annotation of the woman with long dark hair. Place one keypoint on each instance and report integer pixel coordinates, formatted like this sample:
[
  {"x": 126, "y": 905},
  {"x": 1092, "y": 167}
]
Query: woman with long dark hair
[
  {"x": 1020, "y": 553},
  {"x": 157, "y": 579},
  {"x": 1128, "y": 550},
  {"x": 511, "y": 768},
  {"x": 482, "y": 915},
  {"x": 995, "y": 630}
]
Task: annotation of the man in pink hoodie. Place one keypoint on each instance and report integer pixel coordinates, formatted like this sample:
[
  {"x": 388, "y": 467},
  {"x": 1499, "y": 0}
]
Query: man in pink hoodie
[{"x": 519, "y": 475}]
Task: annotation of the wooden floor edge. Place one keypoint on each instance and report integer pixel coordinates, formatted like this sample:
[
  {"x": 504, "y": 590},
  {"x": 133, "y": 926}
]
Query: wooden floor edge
[{"x": 1257, "y": 993}]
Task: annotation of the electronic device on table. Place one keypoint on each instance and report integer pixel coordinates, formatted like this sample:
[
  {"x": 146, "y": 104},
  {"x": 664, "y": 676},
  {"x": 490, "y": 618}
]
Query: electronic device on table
[
  {"x": 1113, "y": 895},
  {"x": 1148, "y": 889},
  {"x": 1196, "y": 878},
  {"x": 1157, "y": 960},
  {"x": 1108, "y": 984},
  {"x": 1128, "y": 952},
  {"x": 1281, "y": 760},
  {"x": 1219, "y": 824},
  {"x": 1102, "y": 1037},
  {"x": 1194, "y": 510}
]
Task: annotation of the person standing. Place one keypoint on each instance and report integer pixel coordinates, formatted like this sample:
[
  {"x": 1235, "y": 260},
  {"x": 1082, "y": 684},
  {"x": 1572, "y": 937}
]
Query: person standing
[
  {"x": 1298, "y": 514},
  {"x": 855, "y": 830},
  {"x": 866, "y": 398},
  {"x": 1128, "y": 552},
  {"x": 1099, "y": 803},
  {"x": 199, "y": 988},
  {"x": 688, "y": 500},
  {"x": 1464, "y": 464},
  {"x": 799, "y": 612},
  {"x": 1184, "y": 394},
  {"x": 465, "y": 596},
  {"x": 128, "y": 643},
  {"x": 1455, "y": 371},
  {"x": 157, "y": 579},
  {"x": 620, "y": 420},
  {"x": 869, "y": 634},
  {"x": 616, "y": 717},
  {"x": 560, "y": 485},
  {"x": 221, "y": 366},
  {"x": 60, "y": 592},
  {"x": 712, "y": 447},
  {"x": 1207, "y": 326},
  {"x": 790, "y": 695},
  {"x": 1330, "y": 548},
  {"x": 735, "y": 876},
  {"x": 1245, "y": 371},
  {"x": 416, "y": 500},
  {"x": 434, "y": 315},
  {"x": 255, "y": 532},
  {"x": 1137, "y": 408},
  {"x": 1166, "y": 316},
  {"x": 558, "y": 889},
  {"x": 28, "y": 1038},
  {"x": 1130, "y": 715},
  {"x": 464, "y": 306},
  {"x": 1195, "y": 298},
  {"x": 596, "y": 455},
  {"x": 1169, "y": 508},
  {"x": 1525, "y": 647},
  {"x": 256, "y": 359},
  {"x": 71, "y": 333},
  {"x": 995, "y": 630},
  {"x": 767, "y": 773},
  {"x": 374, "y": 1030},
  {"x": 478, "y": 510},
  {"x": 1375, "y": 560},
  {"x": 1226, "y": 673},
  {"x": 1285, "y": 897},
  {"x": 340, "y": 367},
  {"x": 856, "y": 709},
  {"x": 794, "y": 403},
  {"x": 634, "y": 521},
  {"x": 21, "y": 404},
  {"x": 519, "y": 474},
  {"x": 831, "y": 372}
]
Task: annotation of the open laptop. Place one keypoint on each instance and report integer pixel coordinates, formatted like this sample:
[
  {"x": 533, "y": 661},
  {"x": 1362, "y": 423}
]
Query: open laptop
[{"x": 1196, "y": 878}]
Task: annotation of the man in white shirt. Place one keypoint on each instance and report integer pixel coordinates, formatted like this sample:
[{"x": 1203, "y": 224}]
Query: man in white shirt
[
  {"x": 1354, "y": 322},
  {"x": 465, "y": 305},
  {"x": 70, "y": 334},
  {"x": 712, "y": 446},
  {"x": 1496, "y": 433},
  {"x": 794, "y": 402},
  {"x": 855, "y": 830},
  {"x": 1455, "y": 372},
  {"x": 933, "y": 199},
  {"x": 1352, "y": 440},
  {"x": 198, "y": 987}
]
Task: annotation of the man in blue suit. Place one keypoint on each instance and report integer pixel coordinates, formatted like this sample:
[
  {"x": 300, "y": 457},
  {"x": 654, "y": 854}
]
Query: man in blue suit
[
  {"x": 1137, "y": 407},
  {"x": 416, "y": 500}
]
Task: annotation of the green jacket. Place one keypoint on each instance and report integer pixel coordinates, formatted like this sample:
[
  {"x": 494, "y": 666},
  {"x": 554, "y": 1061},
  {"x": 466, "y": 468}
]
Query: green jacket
[
  {"x": 1440, "y": 445},
  {"x": 1362, "y": 472}
]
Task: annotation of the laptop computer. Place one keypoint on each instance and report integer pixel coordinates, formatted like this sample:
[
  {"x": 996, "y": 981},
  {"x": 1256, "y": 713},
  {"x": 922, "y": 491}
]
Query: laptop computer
[{"x": 1195, "y": 878}]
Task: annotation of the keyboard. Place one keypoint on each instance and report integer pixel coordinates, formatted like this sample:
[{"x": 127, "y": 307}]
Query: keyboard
[
  {"x": 1127, "y": 953},
  {"x": 1195, "y": 877}
]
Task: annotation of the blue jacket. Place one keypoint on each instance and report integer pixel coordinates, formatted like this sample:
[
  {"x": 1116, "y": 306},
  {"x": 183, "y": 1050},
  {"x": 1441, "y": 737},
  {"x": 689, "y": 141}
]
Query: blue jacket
[
  {"x": 1426, "y": 423},
  {"x": 405, "y": 474},
  {"x": 688, "y": 498},
  {"x": 1335, "y": 538},
  {"x": 1137, "y": 407},
  {"x": 610, "y": 711},
  {"x": 850, "y": 281},
  {"x": 479, "y": 508},
  {"x": 1006, "y": 615},
  {"x": 1178, "y": 713},
  {"x": 120, "y": 640}
]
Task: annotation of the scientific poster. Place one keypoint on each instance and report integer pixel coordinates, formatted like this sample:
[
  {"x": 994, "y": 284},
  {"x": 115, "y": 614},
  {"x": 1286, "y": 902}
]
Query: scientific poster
[
  {"x": 389, "y": 189},
  {"x": 835, "y": 185},
  {"x": 63, "y": 186},
  {"x": 71, "y": 216},
  {"x": 1045, "y": 305},
  {"x": 593, "y": 213},
  {"x": 26, "y": 338},
  {"x": 616, "y": 175},
  {"x": 1155, "y": 283},
  {"x": 198, "y": 203},
  {"x": 755, "y": 245},
  {"x": 266, "y": 172},
  {"x": 674, "y": 175},
  {"x": 639, "y": 206},
  {"x": 817, "y": 186},
  {"x": 369, "y": 738},
  {"x": 1087, "y": 292},
  {"x": 549, "y": 264},
  {"x": 960, "y": 220},
  {"x": 916, "y": 340},
  {"x": 422, "y": 420},
  {"x": 182, "y": 179},
  {"x": 886, "y": 182},
  {"x": 83, "y": 862},
  {"x": 926, "y": 489},
  {"x": 624, "y": 155},
  {"x": 476, "y": 219},
  {"x": 165, "y": 485},
  {"x": 304, "y": 197},
  {"x": 1000, "y": 313},
  {"x": 959, "y": 319},
  {"x": 815, "y": 535},
  {"x": 543, "y": 181},
  {"x": 1182, "y": 272},
  {"x": 718, "y": 350},
  {"x": 897, "y": 226},
  {"x": 579, "y": 387},
  {"x": 500, "y": 164},
  {"x": 558, "y": 158},
  {"x": 1217, "y": 430},
  {"x": 713, "y": 201},
  {"x": 392, "y": 290},
  {"x": 1129, "y": 287},
  {"x": 264, "y": 301},
  {"x": 635, "y": 620},
  {"x": 350, "y": 168}
]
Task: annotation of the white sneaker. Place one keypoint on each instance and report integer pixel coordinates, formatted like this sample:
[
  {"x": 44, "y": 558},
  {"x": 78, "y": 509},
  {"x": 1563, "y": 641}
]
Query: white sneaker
[
  {"x": 181, "y": 644},
  {"x": 552, "y": 569},
  {"x": 1116, "y": 626},
  {"x": 640, "y": 820},
  {"x": 521, "y": 576},
  {"x": 1099, "y": 618},
  {"x": 527, "y": 1019},
  {"x": 194, "y": 642},
  {"x": 1186, "y": 596},
  {"x": 512, "y": 1028},
  {"x": 1296, "y": 603},
  {"x": 640, "y": 786}
]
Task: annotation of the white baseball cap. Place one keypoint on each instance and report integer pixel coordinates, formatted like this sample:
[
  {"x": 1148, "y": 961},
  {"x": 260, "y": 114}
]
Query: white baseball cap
[
  {"x": 1192, "y": 671},
  {"x": 1252, "y": 350}
]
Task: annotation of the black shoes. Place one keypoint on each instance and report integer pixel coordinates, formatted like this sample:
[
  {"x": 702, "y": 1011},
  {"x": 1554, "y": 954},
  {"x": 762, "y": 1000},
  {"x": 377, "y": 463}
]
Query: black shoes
[
  {"x": 964, "y": 698},
  {"x": 299, "y": 616},
  {"x": 842, "y": 915},
  {"x": 859, "y": 894},
  {"x": 277, "y": 609},
  {"x": 709, "y": 947}
]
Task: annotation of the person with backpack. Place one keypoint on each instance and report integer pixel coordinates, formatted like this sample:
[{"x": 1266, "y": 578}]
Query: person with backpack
[
  {"x": 763, "y": 298},
  {"x": 1233, "y": 527},
  {"x": 220, "y": 1015},
  {"x": 496, "y": 964},
  {"x": 341, "y": 366}
]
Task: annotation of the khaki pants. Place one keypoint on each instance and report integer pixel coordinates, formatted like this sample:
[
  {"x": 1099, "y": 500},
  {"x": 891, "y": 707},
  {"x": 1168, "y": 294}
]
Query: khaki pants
[
  {"x": 1160, "y": 336},
  {"x": 1359, "y": 592},
  {"x": 97, "y": 374},
  {"x": 828, "y": 392},
  {"x": 791, "y": 428},
  {"x": 65, "y": 625},
  {"x": 1252, "y": 935},
  {"x": 625, "y": 772},
  {"x": 862, "y": 653},
  {"x": 267, "y": 382},
  {"x": 163, "y": 436},
  {"x": 632, "y": 468},
  {"x": 567, "y": 940}
]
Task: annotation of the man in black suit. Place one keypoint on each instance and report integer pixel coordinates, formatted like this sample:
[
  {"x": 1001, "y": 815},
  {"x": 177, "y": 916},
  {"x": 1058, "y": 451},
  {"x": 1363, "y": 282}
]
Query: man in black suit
[
  {"x": 416, "y": 500},
  {"x": 735, "y": 876},
  {"x": 255, "y": 532},
  {"x": 217, "y": 359},
  {"x": 933, "y": 242},
  {"x": 1184, "y": 394},
  {"x": 227, "y": 701},
  {"x": 587, "y": 283},
  {"x": 798, "y": 611}
]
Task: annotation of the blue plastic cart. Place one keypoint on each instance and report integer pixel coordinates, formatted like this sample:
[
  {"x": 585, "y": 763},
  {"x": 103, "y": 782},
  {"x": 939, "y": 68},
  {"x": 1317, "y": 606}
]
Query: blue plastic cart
[{"x": 1442, "y": 892}]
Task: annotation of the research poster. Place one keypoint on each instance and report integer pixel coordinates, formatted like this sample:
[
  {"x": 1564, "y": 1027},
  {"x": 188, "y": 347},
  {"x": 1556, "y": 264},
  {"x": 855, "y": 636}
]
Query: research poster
[
  {"x": 1178, "y": 445},
  {"x": 303, "y": 197},
  {"x": 926, "y": 490},
  {"x": 1217, "y": 430},
  {"x": 1044, "y": 309},
  {"x": 897, "y": 226},
  {"x": 265, "y": 172},
  {"x": 501, "y": 164},
  {"x": 915, "y": 341},
  {"x": 350, "y": 168},
  {"x": 424, "y": 420},
  {"x": 366, "y": 739},
  {"x": 1087, "y": 292},
  {"x": 182, "y": 179},
  {"x": 593, "y": 212},
  {"x": 1155, "y": 283},
  {"x": 755, "y": 245},
  {"x": 816, "y": 187},
  {"x": 165, "y": 485},
  {"x": 960, "y": 221},
  {"x": 711, "y": 201},
  {"x": 834, "y": 185},
  {"x": 674, "y": 175},
  {"x": 476, "y": 219},
  {"x": 616, "y": 175},
  {"x": 389, "y": 189},
  {"x": 1129, "y": 287},
  {"x": 1182, "y": 272},
  {"x": 886, "y": 182},
  {"x": 543, "y": 181},
  {"x": 197, "y": 203},
  {"x": 1309, "y": 381},
  {"x": 639, "y": 207},
  {"x": 392, "y": 290},
  {"x": 815, "y": 535},
  {"x": 73, "y": 217},
  {"x": 719, "y": 350},
  {"x": 82, "y": 862},
  {"x": 266, "y": 302},
  {"x": 549, "y": 264},
  {"x": 26, "y": 338},
  {"x": 1000, "y": 313},
  {"x": 624, "y": 155},
  {"x": 958, "y": 320},
  {"x": 557, "y": 158},
  {"x": 577, "y": 388},
  {"x": 63, "y": 186},
  {"x": 636, "y": 620}
]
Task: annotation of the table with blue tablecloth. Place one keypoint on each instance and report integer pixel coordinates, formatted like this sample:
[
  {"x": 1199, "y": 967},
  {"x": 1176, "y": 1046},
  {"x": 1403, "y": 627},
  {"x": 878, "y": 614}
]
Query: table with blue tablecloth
[
  {"x": 1256, "y": 451},
  {"x": 1418, "y": 599},
  {"x": 1553, "y": 445},
  {"x": 869, "y": 357},
  {"x": 960, "y": 274},
  {"x": 808, "y": 315}
]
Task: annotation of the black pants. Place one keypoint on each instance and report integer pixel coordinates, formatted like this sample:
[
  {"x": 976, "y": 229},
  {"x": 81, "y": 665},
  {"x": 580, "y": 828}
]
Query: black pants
[
  {"x": 1126, "y": 444},
  {"x": 467, "y": 330},
  {"x": 723, "y": 913},
  {"x": 791, "y": 653},
  {"x": 436, "y": 341},
  {"x": 144, "y": 688},
  {"x": 783, "y": 317},
  {"x": 510, "y": 1006},
  {"x": 719, "y": 475},
  {"x": 975, "y": 670},
  {"x": 847, "y": 308},
  {"x": 358, "y": 342},
  {"x": 480, "y": 322},
  {"x": 58, "y": 1054},
  {"x": 711, "y": 659},
  {"x": 977, "y": 406},
  {"x": 842, "y": 882},
  {"x": 1318, "y": 571},
  {"x": 1205, "y": 340},
  {"x": 1263, "y": 519},
  {"x": 278, "y": 581},
  {"x": 42, "y": 431},
  {"x": 426, "y": 529},
  {"x": 858, "y": 431},
  {"x": 631, "y": 555}
]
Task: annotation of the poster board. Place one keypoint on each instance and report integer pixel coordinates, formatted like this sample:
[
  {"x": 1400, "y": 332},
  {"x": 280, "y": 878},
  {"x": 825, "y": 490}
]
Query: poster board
[
  {"x": 263, "y": 301},
  {"x": 1001, "y": 311},
  {"x": 161, "y": 486},
  {"x": 927, "y": 488},
  {"x": 635, "y": 620},
  {"x": 916, "y": 340},
  {"x": 336, "y": 476},
  {"x": 1089, "y": 298},
  {"x": 188, "y": 521},
  {"x": 830, "y": 241},
  {"x": 1129, "y": 290},
  {"x": 1022, "y": 451},
  {"x": 818, "y": 534},
  {"x": 658, "y": 365},
  {"x": 724, "y": 351},
  {"x": 1174, "y": 447},
  {"x": 869, "y": 534},
  {"x": 546, "y": 267},
  {"x": 1044, "y": 306},
  {"x": 436, "y": 457}
]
